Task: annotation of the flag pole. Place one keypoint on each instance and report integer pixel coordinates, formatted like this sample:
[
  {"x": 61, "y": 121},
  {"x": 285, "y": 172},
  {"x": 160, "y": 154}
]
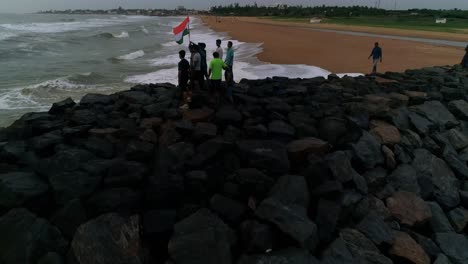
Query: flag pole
[{"x": 189, "y": 31}]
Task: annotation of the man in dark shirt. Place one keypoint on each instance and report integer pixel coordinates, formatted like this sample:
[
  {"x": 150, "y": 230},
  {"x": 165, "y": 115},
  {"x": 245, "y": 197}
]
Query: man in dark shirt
[
  {"x": 376, "y": 55},
  {"x": 184, "y": 71},
  {"x": 464, "y": 62},
  {"x": 204, "y": 65}
]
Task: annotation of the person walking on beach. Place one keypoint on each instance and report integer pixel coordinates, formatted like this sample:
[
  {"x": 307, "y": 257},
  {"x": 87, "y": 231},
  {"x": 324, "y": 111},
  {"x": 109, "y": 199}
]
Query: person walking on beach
[
  {"x": 219, "y": 49},
  {"x": 229, "y": 73},
  {"x": 184, "y": 74},
  {"x": 376, "y": 55},
  {"x": 464, "y": 62},
  {"x": 195, "y": 66},
  {"x": 204, "y": 66},
  {"x": 216, "y": 72}
]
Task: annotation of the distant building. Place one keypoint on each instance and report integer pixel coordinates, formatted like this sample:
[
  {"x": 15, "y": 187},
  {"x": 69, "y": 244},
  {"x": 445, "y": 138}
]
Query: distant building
[
  {"x": 441, "y": 21},
  {"x": 315, "y": 20}
]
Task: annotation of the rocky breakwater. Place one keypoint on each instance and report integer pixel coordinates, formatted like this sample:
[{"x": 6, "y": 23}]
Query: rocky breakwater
[{"x": 350, "y": 170}]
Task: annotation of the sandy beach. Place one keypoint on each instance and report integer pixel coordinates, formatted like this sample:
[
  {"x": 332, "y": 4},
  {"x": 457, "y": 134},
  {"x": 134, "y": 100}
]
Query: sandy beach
[{"x": 292, "y": 43}]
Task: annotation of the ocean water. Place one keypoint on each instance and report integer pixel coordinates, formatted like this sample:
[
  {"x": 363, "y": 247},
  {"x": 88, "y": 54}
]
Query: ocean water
[{"x": 47, "y": 58}]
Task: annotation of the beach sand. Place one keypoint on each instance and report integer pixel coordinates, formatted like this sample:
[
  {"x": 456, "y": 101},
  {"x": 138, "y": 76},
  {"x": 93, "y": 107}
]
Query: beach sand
[{"x": 287, "y": 43}]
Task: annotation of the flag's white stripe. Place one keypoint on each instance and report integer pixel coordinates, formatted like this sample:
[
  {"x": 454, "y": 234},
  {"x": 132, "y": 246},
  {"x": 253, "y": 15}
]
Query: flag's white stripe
[{"x": 180, "y": 35}]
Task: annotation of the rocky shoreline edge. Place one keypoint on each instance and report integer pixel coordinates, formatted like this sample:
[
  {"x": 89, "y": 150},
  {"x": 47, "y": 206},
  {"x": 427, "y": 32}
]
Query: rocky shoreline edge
[{"x": 350, "y": 170}]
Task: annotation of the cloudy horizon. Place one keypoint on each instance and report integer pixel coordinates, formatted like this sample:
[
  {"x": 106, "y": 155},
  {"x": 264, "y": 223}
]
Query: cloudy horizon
[{"x": 28, "y": 6}]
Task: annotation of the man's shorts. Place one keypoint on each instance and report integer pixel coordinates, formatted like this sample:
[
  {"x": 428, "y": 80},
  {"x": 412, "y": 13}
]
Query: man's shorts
[{"x": 376, "y": 61}]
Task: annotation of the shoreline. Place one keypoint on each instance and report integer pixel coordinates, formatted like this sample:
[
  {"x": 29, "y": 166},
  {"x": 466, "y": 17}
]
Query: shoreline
[{"x": 338, "y": 53}]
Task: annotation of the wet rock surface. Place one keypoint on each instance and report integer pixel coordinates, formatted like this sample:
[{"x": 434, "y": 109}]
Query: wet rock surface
[{"x": 350, "y": 170}]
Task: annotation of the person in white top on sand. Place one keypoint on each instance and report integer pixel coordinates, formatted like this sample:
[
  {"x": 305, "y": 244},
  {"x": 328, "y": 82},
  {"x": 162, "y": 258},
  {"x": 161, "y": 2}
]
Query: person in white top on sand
[{"x": 219, "y": 49}]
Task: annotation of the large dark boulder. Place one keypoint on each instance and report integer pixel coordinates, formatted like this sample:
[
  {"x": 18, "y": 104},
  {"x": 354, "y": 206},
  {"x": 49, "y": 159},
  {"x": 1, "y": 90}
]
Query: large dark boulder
[
  {"x": 454, "y": 246},
  {"x": 439, "y": 221},
  {"x": 69, "y": 185},
  {"x": 201, "y": 238},
  {"x": 60, "y": 107},
  {"x": 287, "y": 209},
  {"x": 270, "y": 156},
  {"x": 17, "y": 188},
  {"x": 108, "y": 239},
  {"x": 123, "y": 173},
  {"x": 436, "y": 112},
  {"x": 227, "y": 208},
  {"x": 374, "y": 227},
  {"x": 362, "y": 248},
  {"x": 439, "y": 174},
  {"x": 338, "y": 253},
  {"x": 404, "y": 178},
  {"x": 256, "y": 237},
  {"x": 83, "y": 117},
  {"x": 459, "y": 108},
  {"x": 26, "y": 238},
  {"x": 69, "y": 217},
  {"x": 124, "y": 201},
  {"x": 291, "y": 255},
  {"x": 368, "y": 151},
  {"x": 91, "y": 99}
]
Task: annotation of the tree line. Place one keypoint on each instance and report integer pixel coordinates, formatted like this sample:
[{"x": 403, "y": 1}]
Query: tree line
[{"x": 328, "y": 11}]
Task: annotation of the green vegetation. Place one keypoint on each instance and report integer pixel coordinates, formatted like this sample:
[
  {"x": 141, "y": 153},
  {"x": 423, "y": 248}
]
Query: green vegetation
[{"x": 415, "y": 19}]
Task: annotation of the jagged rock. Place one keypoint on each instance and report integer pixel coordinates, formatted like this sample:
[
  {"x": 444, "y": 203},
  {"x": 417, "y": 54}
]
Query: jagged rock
[
  {"x": 404, "y": 178},
  {"x": 375, "y": 178},
  {"x": 124, "y": 201},
  {"x": 408, "y": 208},
  {"x": 453, "y": 245},
  {"x": 385, "y": 133},
  {"x": 455, "y": 162},
  {"x": 442, "y": 259},
  {"x": 328, "y": 213},
  {"x": 367, "y": 150},
  {"x": 108, "y": 239},
  {"x": 436, "y": 113},
  {"x": 100, "y": 147},
  {"x": 457, "y": 139},
  {"x": 267, "y": 155},
  {"x": 405, "y": 247},
  {"x": 198, "y": 115},
  {"x": 17, "y": 188},
  {"x": 464, "y": 198},
  {"x": 369, "y": 204},
  {"x": 83, "y": 117},
  {"x": 256, "y": 237},
  {"x": 374, "y": 227},
  {"x": 151, "y": 123},
  {"x": 204, "y": 131},
  {"x": 337, "y": 131},
  {"x": 416, "y": 97},
  {"x": 227, "y": 208},
  {"x": 228, "y": 115},
  {"x": 362, "y": 248},
  {"x": 439, "y": 222},
  {"x": 51, "y": 258},
  {"x": 286, "y": 208},
  {"x": 60, "y": 107},
  {"x": 139, "y": 150},
  {"x": 124, "y": 173},
  {"x": 390, "y": 162},
  {"x": 422, "y": 125},
  {"x": 136, "y": 97},
  {"x": 201, "y": 238},
  {"x": 281, "y": 129},
  {"x": 436, "y": 171},
  {"x": 251, "y": 180},
  {"x": 298, "y": 150},
  {"x": 427, "y": 244},
  {"x": 26, "y": 238},
  {"x": 292, "y": 255},
  {"x": 459, "y": 218},
  {"x": 459, "y": 108},
  {"x": 69, "y": 185},
  {"x": 156, "y": 109},
  {"x": 340, "y": 166},
  {"x": 69, "y": 217},
  {"x": 337, "y": 253},
  {"x": 158, "y": 222},
  {"x": 90, "y": 99}
]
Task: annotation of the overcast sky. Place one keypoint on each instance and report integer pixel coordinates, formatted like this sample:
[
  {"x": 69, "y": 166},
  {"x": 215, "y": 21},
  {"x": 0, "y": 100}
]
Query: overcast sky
[{"x": 23, "y": 6}]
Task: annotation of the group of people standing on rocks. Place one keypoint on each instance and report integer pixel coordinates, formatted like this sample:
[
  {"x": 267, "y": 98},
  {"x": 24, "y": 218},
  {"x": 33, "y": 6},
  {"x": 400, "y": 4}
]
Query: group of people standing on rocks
[{"x": 192, "y": 75}]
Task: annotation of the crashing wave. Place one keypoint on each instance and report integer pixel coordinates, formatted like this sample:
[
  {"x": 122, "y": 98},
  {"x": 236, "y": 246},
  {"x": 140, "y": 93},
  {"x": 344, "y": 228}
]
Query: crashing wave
[{"x": 132, "y": 56}]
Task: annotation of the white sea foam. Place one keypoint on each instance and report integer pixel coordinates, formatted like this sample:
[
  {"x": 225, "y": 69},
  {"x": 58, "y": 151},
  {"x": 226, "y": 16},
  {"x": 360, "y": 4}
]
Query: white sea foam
[
  {"x": 144, "y": 30},
  {"x": 132, "y": 56},
  {"x": 124, "y": 34},
  {"x": 169, "y": 60},
  {"x": 58, "y": 27},
  {"x": 6, "y": 35}
]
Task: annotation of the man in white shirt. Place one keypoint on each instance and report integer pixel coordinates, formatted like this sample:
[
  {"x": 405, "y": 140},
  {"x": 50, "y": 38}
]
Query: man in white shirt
[
  {"x": 195, "y": 66},
  {"x": 219, "y": 49}
]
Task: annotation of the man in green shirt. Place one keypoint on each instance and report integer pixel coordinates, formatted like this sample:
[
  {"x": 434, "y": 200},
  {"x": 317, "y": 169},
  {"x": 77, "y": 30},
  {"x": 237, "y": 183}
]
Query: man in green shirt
[{"x": 216, "y": 72}]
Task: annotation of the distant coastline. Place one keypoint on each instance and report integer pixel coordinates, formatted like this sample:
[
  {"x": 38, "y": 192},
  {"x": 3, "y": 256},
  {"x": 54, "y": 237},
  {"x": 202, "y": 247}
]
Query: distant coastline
[{"x": 181, "y": 11}]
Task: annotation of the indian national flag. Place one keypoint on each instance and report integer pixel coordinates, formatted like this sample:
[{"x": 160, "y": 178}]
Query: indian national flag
[{"x": 181, "y": 30}]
